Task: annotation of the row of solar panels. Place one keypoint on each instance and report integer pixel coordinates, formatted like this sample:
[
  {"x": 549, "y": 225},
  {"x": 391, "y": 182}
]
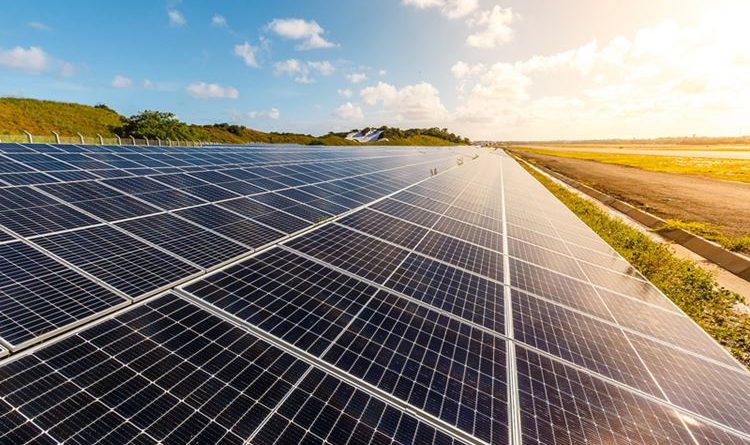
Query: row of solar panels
[
  {"x": 401, "y": 308},
  {"x": 93, "y": 246}
]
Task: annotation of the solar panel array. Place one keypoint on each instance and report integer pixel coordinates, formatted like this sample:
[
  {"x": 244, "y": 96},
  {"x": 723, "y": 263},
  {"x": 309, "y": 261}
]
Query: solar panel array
[{"x": 305, "y": 295}]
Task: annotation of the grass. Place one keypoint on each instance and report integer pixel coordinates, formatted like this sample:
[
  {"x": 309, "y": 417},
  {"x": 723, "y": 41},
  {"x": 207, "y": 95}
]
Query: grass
[
  {"x": 726, "y": 169},
  {"x": 691, "y": 288},
  {"x": 712, "y": 233}
]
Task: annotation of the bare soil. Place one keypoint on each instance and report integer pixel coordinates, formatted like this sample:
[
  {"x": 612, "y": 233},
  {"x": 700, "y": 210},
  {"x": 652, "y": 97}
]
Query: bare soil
[{"x": 724, "y": 204}]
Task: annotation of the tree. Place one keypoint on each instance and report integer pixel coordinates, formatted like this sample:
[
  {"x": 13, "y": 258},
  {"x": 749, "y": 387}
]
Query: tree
[{"x": 154, "y": 124}]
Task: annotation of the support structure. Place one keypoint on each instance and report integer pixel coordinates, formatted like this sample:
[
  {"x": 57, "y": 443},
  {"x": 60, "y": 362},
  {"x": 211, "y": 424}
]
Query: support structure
[
  {"x": 132, "y": 138},
  {"x": 158, "y": 141},
  {"x": 101, "y": 139},
  {"x": 28, "y": 135},
  {"x": 83, "y": 141},
  {"x": 169, "y": 141},
  {"x": 119, "y": 141},
  {"x": 147, "y": 142},
  {"x": 57, "y": 137}
]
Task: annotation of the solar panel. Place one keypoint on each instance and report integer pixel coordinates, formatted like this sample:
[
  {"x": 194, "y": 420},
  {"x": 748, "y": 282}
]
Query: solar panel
[
  {"x": 39, "y": 295},
  {"x": 360, "y": 254},
  {"x": 117, "y": 259},
  {"x": 293, "y": 298},
  {"x": 449, "y": 369},
  {"x": 196, "y": 244},
  {"x": 388, "y": 325}
]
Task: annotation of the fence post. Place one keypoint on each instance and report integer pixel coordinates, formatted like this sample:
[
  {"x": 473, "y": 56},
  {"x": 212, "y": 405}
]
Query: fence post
[
  {"x": 169, "y": 141},
  {"x": 147, "y": 142},
  {"x": 132, "y": 138},
  {"x": 83, "y": 141},
  {"x": 28, "y": 135},
  {"x": 101, "y": 139},
  {"x": 158, "y": 141},
  {"x": 57, "y": 137},
  {"x": 119, "y": 141},
  {"x": 194, "y": 144}
]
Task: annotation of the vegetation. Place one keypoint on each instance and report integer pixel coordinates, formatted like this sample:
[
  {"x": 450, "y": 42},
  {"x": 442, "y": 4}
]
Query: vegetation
[
  {"x": 726, "y": 169},
  {"x": 712, "y": 233},
  {"x": 655, "y": 142},
  {"x": 154, "y": 124},
  {"x": 690, "y": 287},
  {"x": 42, "y": 117}
]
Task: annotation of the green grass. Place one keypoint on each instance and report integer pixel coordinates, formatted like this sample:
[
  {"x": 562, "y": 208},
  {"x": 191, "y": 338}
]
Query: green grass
[
  {"x": 727, "y": 169},
  {"x": 693, "y": 289},
  {"x": 712, "y": 233},
  {"x": 41, "y": 117}
]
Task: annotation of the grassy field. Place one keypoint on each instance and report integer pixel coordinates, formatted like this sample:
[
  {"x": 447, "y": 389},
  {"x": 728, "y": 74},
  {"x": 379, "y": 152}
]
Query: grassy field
[
  {"x": 725, "y": 169},
  {"x": 693, "y": 289}
]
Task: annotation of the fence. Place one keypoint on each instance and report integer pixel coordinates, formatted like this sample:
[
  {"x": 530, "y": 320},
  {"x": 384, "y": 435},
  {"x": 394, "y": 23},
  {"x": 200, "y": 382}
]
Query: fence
[{"x": 79, "y": 139}]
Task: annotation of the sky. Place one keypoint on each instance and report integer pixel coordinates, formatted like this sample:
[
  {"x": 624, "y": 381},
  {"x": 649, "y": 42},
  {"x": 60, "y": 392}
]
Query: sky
[{"x": 486, "y": 69}]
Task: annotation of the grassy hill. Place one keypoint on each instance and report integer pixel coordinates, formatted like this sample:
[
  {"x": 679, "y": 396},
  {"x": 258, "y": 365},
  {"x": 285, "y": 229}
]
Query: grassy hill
[{"x": 41, "y": 117}]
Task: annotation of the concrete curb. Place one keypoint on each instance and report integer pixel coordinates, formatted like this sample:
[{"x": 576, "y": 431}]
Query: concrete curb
[{"x": 734, "y": 263}]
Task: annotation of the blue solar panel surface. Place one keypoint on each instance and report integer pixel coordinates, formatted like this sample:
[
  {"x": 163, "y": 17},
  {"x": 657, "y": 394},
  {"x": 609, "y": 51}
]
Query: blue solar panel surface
[{"x": 308, "y": 295}]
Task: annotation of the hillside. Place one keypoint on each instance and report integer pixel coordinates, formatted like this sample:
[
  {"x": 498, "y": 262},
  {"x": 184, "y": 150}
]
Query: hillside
[{"x": 41, "y": 117}]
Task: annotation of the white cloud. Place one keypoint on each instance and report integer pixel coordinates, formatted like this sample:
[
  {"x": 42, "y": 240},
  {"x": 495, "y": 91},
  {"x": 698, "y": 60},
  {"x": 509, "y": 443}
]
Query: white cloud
[
  {"x": 120, "y": 81},
  {"x": 219, "y": 21},
  {"x": 349, "y": 112},
  {"x": 203, "y": 90},
  {"x": 176, "y": 18},
  {"x": 356, "y": 77},
  {"x": 303, "y": 70},
  {"x": 382, "y": 72},
  {"x": 148, "y": 84},
  {"x": 496, "y": 28},
  {"x": 273, "y": 113},
  {"x": 308, "y": 32},
  {"x": 452, "y": 9},
  {"x": 323, "y": 67},
  {"x": 461, "y": 69},
  {"x": 345, "y": 92},
  {"x": 39, "y": 26},
  {"x": 669, "y": 79},
  {"x": 246, "y": 52},
  {"x": 33, "y": 59},
  {"x": 415, "y": 104}
]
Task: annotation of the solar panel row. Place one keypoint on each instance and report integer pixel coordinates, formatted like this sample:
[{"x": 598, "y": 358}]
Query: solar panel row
[
  {"x": 168, "y": 214},
  {"x": 441, "y": 314}
]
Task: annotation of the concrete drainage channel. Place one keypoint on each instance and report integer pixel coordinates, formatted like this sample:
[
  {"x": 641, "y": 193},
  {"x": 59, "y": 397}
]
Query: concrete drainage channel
[{"x": 737, "y": 264}]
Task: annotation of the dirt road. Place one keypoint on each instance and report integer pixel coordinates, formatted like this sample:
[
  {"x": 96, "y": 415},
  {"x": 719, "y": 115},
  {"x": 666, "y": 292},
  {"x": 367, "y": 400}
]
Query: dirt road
[
  {"x": 690, "y": 198},
  {"x": 697, "y": 153}
]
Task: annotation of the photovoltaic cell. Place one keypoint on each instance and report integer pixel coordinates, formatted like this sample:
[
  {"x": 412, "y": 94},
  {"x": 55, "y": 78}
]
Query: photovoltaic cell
[
  {"x": 293, "y": 298},
  {"x": 28, "y": 212},
  {"x": 326, "y": 410},
  {"x": 123, "y": 262},
  {"x": 39, "y": 295},
  {"x": 385, "y": 227},
  {"x": 557, "y": 287},
  {"x": 407, "y": 212},
  {"x": 595, "y": 345},
  {"x": 197, "y": 245},
  {"x": 360, "y": 254},
  {"x": 560, "y": 404},
  {"x": 453, "y": 290},
  {"x": 167, "y": 371},
  {"x": 468, "y": 232},
  {"x": 446, "y": 368},
  {"x": 462, "y": 254}
]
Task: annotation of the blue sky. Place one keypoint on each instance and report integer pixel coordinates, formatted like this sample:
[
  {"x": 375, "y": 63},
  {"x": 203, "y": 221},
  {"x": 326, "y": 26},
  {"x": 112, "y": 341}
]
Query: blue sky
[{"x": 528, "y": 69}]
